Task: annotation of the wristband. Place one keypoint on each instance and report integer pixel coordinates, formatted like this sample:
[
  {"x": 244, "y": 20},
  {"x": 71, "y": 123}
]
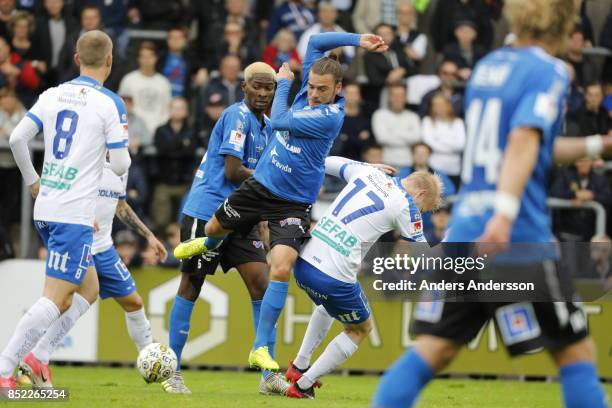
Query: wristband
[
  {"x": 594, "y": 146},
  {"x": 507, "y": 204}
]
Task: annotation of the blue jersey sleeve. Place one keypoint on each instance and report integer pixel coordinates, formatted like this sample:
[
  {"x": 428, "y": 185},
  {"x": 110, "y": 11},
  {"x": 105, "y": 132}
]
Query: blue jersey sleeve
[
  {"x": 542, "y": 103},
  {"x": 319, "y": 44},
  {"x": 319, "y": 122},
  {"x": 235, "y": 131}
]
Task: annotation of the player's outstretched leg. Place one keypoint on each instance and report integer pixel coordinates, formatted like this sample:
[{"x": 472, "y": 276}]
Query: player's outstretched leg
[
  {"x": 255, "y": 279},
  {"x": 180, "y": 323},
  {"x": 318, "y": 327},
  {"x": 404, "y": 380},
  {"x": 36, "y": 363},
  {"x": 578, "y": 376},
  {"x": 282, "y": 259},
  {"x": 337, "y": 352},
  {"x": 56, "y": 299},
  {"x": 215, "y": 234}
]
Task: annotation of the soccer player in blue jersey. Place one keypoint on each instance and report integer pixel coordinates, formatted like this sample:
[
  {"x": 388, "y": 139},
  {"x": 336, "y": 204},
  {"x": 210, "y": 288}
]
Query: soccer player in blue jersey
[
  {"x": 237, "y": 142},
  {"x": 289, "y": 175},
  {"x": 515, "y": 101}
]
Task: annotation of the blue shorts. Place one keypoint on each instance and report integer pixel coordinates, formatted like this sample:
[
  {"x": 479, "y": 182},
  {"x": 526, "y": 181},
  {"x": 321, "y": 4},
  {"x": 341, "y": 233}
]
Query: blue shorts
[
  {"x": 114, "y": 277},
  {"x": 69, "y": 247},
  {"x": 345, "y": 302}
]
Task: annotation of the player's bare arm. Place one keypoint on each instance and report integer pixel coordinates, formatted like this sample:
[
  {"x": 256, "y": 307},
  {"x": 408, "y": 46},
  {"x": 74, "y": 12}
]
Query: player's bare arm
[
  {"x": 569, "y": 149},
  {"x": 127, "y": 215},
  {"x": 235, "y": 171}
]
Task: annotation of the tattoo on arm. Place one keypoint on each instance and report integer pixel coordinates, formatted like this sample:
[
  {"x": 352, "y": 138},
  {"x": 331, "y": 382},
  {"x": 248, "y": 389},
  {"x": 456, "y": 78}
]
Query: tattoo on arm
[{"x": 129, "y": 218}]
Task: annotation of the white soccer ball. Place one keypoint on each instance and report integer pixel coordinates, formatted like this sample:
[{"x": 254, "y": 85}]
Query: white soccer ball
[{"x": 156, "y": 362}]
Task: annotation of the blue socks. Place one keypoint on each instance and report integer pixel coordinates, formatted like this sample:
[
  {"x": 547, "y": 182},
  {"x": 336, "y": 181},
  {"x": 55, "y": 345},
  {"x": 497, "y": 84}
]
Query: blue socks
[
  {"x": 180, "y": 317},
  {"x": 213, "y": 243},
  {"x": 581, "y": 386},
  {"x": 256, "y": 305},
  {"x": 271, "y": 307},
  {"x": 403, "y": 381}
]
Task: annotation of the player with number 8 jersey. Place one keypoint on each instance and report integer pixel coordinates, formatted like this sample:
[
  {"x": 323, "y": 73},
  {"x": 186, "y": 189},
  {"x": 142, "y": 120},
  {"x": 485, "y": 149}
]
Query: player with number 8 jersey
[{"x": 80, "y": 120}]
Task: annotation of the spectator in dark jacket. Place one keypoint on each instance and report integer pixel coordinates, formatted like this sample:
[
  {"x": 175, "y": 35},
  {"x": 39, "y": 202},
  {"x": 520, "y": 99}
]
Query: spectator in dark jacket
[
  {"x": 448, "y": 12},
  {"x": 387, "y": 68},
  {"x": 175, "y": 144},
  {"x": 292, "y": 14},
  {"x": 464, "y": 51},
  {"x": 580, "y": 184},
  {"x": 234, "y": 11},
  {"x": 162, "y": 14},
  {"x": 91, "y": 19},
  {"x": 356, "y": 132},
  {"x": 53, "y": 29},
  {"x": 586, "y": 71},
  {"x": 592, "y": 118},
  {"x": 235, "y": 42},
  {"x": 7, "y": 9},
  {"x": 224, "y": 90},
  {"x": 448, "y": 72}
]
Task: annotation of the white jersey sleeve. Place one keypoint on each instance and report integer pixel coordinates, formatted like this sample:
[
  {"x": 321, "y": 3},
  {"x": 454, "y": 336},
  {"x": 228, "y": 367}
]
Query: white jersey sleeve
[{"x": 410, "y": 222}]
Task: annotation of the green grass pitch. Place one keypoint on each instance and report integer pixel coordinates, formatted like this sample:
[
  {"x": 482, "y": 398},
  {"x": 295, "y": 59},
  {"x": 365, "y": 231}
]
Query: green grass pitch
[{"x": 92, "y": 387}]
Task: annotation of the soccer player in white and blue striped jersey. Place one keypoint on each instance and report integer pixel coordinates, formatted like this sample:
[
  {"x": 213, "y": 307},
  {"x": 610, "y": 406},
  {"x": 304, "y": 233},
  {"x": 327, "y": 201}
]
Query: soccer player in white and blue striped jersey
[{"x": 80, "y": 121}]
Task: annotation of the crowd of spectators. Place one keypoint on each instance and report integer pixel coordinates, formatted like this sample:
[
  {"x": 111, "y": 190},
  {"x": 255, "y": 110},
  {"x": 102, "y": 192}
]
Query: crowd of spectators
[{"x": 404, "y": 107}]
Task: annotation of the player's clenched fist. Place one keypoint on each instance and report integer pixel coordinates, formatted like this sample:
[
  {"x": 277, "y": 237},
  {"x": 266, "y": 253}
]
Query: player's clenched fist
[
  {"x": 373, "y": 43},
  {"x": 285, "y": 73}
]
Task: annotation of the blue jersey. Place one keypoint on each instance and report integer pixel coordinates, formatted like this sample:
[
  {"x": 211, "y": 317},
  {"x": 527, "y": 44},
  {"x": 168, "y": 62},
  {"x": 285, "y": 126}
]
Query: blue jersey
[
  {"x": 293, "y": 167},
  {"x": 509, "y": 89},
  {"x": 237, "y": 133}
]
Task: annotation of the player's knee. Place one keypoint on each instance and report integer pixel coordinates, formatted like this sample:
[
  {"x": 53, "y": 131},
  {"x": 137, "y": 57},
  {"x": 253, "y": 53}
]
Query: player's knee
[
  {"x": 359, "y": 331},
  {"x": 583, "y": 350},
  {"x": 190, "y": 287},
  {"x": 65, "y": 303},
  {"x": 436, "y": 351},
  {"x": 280, "y": 272},
  {"x": 212, "y": 227},
  {"x": 133, "y": 303}
]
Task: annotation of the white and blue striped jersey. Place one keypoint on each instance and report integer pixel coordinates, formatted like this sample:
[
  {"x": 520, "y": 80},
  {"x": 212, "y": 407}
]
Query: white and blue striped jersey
[
  {"x": 80, "y": 120},
  {"x": 371, "y": 205}
]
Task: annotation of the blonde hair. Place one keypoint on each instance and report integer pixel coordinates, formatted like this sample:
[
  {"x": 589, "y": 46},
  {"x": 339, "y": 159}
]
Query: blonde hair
[
  {"x": 93, "y": 48},
  {"x": 431, "y": 185},
  {"x": 284, "y": 32},
  {"x": 18, "y": 16},
  {"x": 548, "y": 21},
  {"x": 258, "y": 68}
]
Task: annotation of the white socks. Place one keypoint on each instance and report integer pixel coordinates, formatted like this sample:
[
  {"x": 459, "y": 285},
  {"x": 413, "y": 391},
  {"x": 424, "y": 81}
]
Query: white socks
[
  {"x": 139, "y": 328},
  {"x": 58, "y": 330},
  {"x": 336, "y": 353},
  {"x": 29, "y": 330},
  {"x": 318, "y": 326}
]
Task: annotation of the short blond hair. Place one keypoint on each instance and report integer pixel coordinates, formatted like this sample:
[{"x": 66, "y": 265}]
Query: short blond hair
[
  {"x": 433, "y": 187},
  {"x": 258, "y": 68},
  {"x": 93, "y": 48},
  {"x": 548, "y": 21}
]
